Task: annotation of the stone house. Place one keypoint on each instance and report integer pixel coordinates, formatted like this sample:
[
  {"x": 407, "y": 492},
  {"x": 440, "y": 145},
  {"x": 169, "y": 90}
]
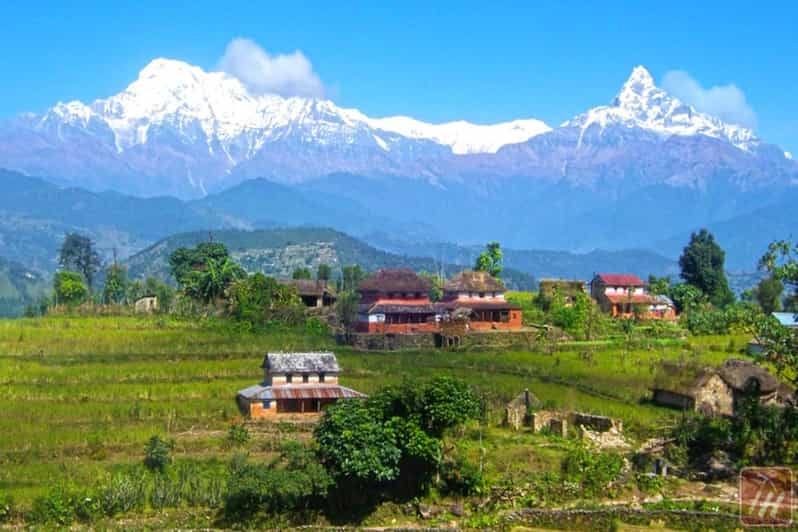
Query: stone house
[
  {"x": 715, "y": 391},
  {"x": 517, "y": 411},
  {"x": 314, "y": 294},
  {"x": 480, "y": 296},
  {"x": 294, "y": 384}
]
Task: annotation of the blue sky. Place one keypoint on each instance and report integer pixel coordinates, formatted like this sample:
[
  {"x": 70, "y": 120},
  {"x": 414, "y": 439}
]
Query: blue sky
[{"x": 436, "y": 61}]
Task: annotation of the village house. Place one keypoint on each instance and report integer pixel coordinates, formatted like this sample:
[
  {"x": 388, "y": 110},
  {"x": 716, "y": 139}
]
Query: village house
[
  {"x": 716, "y": 391},
  {"x": 294, "y": 384},
  {"x": 624, "y": 295},
  {"x": 480, "y": 297},
  {"x": 396, "y": 301},
  {"x": 314, "y": 294}
]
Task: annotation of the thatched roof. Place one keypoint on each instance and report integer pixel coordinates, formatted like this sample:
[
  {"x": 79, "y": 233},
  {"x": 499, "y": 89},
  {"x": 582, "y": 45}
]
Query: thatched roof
[
  {"x": 401, "y": 280},
  {"x": 308, "y": 287},
  {"x": 686, "y": 379},
  {"x": 470, "y": 281},
  {"x": 301, "y": 363},
  {"x": 739, "y": 374}
]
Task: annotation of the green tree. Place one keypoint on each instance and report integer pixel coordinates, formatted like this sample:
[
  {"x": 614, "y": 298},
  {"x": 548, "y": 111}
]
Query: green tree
[
  {"x": 702, "y": 263},
  {"x": 490, "y": 260},
  {"x": 767, "y": 294},
  {"x": 436, "y": 285},
  {"x": 659, "y": 286},
  {"x": 210, "y": 283},
  {"x": 157, "y": 453},
  {"x": 115, "y": 289},
  {"x": 78, "y": 254},
  {"x": 302, "y": 273},
  {"x": 323, "y": 272},
  {"x": 185, "y": 262},
  {"x": 346, "y": 307},
  {"x": 779, "y": 344},
  {"x": 356, "y": 446},
  {"x": 351, "y": 277},
  {"x": 686, "y": 297},
  {"x": 259, "y": 299},
  {"x": 69, "y": 288}
]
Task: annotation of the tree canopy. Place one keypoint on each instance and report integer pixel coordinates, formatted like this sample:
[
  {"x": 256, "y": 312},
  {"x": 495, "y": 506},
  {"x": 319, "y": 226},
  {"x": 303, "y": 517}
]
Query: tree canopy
[
  {"x": 702, "y": 263},
  {"x": 490, "y": 260},
  {"x": 78, "y": 254}
]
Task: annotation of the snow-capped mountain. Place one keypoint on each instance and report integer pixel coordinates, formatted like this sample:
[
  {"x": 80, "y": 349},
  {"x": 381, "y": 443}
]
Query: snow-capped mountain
[
  {"x": 641, "y": 104},
  {"x": 182, "y": 131}
]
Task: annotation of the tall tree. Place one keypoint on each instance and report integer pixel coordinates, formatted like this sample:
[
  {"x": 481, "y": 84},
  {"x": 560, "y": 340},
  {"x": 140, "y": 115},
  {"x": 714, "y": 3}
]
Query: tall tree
[
  {"x": 768, "y": 294},
  {"x": 779, "y": 344},
  {"x": 702, "y": 263},
  {"x": 301, "y": 273},
  {"x": 490, "y": 260},
  {"x": 352, "y": 275},
  {"x": 115, "y": 288},
  {"x": 324, "y": 272},
  {"x": 78, "y": 254},
  {"x": 659, "y": 286},
  {"x": 209, "y": 285}
]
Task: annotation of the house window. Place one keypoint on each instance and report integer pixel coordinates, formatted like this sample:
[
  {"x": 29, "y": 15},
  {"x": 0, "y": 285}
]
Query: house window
[
  {"x": 482, "y": 294},
  {"x": 321, "y": 377},
  {"x": 305, "y": 378},
  {"x": 289, "y": 378}
]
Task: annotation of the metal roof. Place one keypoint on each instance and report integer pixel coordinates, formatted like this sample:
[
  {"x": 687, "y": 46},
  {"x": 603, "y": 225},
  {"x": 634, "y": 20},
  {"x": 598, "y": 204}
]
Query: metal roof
[
  {"x": 300, "y": 391},
  {"x": 786, "y": 318},
  {"x": 312, "y": 362}
]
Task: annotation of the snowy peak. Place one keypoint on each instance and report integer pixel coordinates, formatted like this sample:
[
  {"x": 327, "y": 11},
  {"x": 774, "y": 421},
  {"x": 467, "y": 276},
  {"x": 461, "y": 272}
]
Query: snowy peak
[{"x": 641, "y": 104}]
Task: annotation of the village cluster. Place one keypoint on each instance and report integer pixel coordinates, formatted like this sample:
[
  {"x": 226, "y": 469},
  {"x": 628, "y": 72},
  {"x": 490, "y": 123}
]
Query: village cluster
[{"x": 397, "y": 301}]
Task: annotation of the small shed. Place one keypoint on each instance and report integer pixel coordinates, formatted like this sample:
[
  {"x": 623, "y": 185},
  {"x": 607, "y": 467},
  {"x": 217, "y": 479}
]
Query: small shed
[
  {"x": 314, "y": 294},
  {"x": 146, "y": 305}
]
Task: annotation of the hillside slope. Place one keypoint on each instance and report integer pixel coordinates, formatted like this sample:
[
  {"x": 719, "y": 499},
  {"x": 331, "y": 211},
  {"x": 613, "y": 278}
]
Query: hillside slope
[
  {"x": 19, "y": 287},
  {"x": 279, "y": 251}
]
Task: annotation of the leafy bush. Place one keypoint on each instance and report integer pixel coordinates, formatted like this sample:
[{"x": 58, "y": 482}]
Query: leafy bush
[
  {"x": 64, "y": 504},
  {"x": 6, "y": 508},
  {"x": 594, "y": 471},
  {"x": 157, "y": 454},
  {"x": 122, "y": 492},
  {"x": 237, "y": 434},
  {"x": 460, "y": 477},
  {"x": 295, "y": 482}
]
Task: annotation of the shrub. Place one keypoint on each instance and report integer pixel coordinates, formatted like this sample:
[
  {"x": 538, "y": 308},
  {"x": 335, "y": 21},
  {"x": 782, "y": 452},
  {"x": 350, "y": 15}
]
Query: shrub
[
  {"x": 157, "y": 454},
  {"x": 62, "y": 505},
  {"x": 237, "y": 434},
  {"x": 6, "y": 508},
  {"x": 460, "y": 477},
  {"x": 122, "y": 492},
  {"x": 593, "y": 470}
]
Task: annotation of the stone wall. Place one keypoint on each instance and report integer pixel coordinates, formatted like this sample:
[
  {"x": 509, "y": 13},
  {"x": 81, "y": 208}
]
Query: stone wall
[{"x": 472, "y": 340}]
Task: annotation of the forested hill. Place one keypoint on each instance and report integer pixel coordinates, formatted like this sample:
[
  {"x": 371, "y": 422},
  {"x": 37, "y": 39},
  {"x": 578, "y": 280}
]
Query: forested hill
[
  {"x": 19, "y": 287},
  {"x": 279, "y": 251}
]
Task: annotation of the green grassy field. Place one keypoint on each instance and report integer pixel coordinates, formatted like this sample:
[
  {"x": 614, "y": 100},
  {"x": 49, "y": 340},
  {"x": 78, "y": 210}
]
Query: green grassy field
[{"x": 81, "y": 395}]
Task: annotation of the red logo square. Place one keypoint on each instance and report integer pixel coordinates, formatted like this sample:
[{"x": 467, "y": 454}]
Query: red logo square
[{"x": 766, "y": 496}]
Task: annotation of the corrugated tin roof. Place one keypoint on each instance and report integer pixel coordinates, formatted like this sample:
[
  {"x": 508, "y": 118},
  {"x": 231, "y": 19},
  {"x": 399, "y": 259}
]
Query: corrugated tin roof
[
  {"x": 620, "y": 279},
  {"x": 300, "y": 391},
  {"x": 312, "y": 362},
  {"x": 786, "y": 318}
]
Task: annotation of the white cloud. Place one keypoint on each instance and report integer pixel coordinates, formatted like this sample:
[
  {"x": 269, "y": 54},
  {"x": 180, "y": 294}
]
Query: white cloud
[
  {"x": 283, "y": 74},
  {"x": 727, "y": 102}
]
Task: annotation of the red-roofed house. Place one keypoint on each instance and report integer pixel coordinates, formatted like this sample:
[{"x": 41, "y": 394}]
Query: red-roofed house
[
  {"x": 620, "y": 294},
  {"x": 482, "y": 298}
]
